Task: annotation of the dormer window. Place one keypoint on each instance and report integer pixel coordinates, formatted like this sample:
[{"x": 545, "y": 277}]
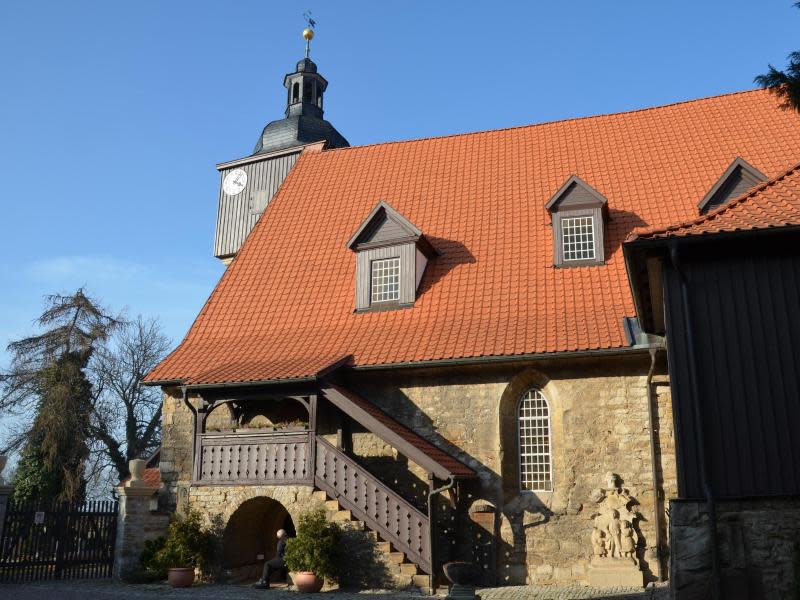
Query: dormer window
[
  {"x": 738, "y": 178},
  {"x": 579, "y": 213},
  {"x": 391, "y": 256},
  {"x": 385, "y": 280},
  {"x": 577, "y": 238}
]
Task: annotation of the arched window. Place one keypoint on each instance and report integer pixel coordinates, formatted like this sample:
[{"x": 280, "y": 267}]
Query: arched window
[
  {"x": 296, "y": 92},
  {"x": 535, "y": 458}
]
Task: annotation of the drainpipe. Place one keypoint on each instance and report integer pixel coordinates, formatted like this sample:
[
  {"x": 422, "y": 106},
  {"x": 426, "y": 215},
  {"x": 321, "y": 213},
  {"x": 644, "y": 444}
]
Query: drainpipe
[
  {"x": 432, "y": 522},
  {"x": 652, "y": 401},
  {"x": 711, "y": 508}
]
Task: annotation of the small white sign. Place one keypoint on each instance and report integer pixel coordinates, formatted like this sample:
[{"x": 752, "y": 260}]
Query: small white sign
[{"x": 38, "y": 518}]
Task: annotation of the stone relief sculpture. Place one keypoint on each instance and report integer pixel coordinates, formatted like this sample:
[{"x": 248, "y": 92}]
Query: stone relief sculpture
[{"x": 614, "y": 538}]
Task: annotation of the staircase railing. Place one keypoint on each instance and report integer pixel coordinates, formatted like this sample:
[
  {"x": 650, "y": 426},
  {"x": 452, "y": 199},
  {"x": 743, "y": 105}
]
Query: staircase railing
[{"x": 368, "y": 499}]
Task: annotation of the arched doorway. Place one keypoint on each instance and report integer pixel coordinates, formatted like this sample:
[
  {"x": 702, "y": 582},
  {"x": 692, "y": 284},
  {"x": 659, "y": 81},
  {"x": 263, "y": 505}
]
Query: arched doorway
[{"x": 249, "y": 537}]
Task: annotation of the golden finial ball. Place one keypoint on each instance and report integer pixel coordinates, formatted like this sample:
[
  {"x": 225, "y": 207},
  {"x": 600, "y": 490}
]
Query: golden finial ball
[{"x": 308, "y": 34}]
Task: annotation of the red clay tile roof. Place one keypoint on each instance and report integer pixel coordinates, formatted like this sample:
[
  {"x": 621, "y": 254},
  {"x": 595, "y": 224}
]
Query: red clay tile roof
[
  {"x": 285, "y": 305},
  {"x": 772, "y": 204}
]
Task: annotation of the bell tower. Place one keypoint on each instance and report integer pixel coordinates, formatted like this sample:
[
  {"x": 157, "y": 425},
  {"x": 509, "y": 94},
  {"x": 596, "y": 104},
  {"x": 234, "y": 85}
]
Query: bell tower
[
  {"x": 305, "y": 89},
  {"x": 248, "y": 184}
]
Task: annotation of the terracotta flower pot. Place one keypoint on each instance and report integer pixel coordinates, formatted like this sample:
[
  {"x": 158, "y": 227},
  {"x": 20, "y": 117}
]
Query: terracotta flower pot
[
  {"x": 307, "y": 582},
  {"x": 181, "y": 577}
]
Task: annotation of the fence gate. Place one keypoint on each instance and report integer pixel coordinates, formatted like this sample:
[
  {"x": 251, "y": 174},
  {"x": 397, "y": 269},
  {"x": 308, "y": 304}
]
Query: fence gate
[{"x": 58, "y": 541}]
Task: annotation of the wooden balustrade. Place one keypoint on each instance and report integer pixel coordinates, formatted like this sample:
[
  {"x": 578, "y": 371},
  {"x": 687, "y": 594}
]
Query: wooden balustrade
[
  {"x": 368, "y": 499},
  {"x": 255, "y": 458}
]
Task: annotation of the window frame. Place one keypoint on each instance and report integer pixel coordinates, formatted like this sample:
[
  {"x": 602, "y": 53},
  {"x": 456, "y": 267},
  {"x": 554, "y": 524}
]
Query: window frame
[
  {"x": 597, "y": 231},
  {"x": 395, "y": 260},
  {"x": 591, "y": 246},
  {"x": 549, "y": 484}
]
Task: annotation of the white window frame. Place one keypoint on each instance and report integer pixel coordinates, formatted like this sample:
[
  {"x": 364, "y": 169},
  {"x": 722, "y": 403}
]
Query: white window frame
[
  {"x": 382, "y": 296},
  {"x": 530, "y": 479},
  {"x": 573, "y": 221}
]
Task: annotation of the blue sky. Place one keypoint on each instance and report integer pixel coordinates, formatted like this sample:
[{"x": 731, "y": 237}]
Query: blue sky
[{"x": 114, "y": 114}]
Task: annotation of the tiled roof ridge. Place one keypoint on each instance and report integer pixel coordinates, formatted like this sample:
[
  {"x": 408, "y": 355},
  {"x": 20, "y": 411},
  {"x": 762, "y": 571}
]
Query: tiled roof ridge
[
  {"x": 547, "y": 123},
  {"x": 717, "y": 212}
]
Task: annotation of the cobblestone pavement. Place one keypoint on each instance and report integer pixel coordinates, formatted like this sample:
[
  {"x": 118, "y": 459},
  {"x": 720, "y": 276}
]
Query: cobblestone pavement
[{"x": 107, "y": 590}]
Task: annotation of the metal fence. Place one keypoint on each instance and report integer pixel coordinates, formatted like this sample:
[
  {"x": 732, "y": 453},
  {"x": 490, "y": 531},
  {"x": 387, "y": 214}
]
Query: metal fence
[{"x": 57, "y": 541}]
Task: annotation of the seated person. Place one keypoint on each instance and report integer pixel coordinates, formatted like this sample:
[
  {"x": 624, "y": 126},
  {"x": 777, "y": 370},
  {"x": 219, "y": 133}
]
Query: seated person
[{"x": 275, "y": 564}]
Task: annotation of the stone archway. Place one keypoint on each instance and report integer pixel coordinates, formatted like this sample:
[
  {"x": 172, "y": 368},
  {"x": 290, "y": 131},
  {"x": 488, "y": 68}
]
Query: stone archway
[{"x": 249, "y": 538}]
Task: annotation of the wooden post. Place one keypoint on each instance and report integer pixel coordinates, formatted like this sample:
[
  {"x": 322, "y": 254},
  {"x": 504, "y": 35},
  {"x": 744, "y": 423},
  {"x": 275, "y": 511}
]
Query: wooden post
[
  {"x": 199, "y": 426},
  {"x": 312, "y": 425},
  {"x": 432, "y": 529}
]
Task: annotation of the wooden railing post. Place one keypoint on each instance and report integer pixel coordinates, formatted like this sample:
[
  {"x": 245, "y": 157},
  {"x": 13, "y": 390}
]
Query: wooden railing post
[{"x": 432, "y": 529}]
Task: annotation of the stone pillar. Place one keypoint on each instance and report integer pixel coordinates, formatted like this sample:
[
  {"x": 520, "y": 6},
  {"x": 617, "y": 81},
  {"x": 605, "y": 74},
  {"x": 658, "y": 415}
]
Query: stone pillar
[
  {"x": 5, "y": 494},
  {"x": 138, "y": 521}
]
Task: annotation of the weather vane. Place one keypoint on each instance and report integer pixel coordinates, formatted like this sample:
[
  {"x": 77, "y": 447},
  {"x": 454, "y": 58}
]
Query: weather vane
[{"x": 308, "y": 32}]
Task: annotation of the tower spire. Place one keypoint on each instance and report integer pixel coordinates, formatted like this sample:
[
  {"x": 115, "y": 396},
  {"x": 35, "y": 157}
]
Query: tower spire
[{"x": 308, "y": 32}]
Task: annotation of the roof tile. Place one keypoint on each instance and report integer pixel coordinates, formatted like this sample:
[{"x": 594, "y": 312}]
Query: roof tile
[{"x": 284, "y": 308}]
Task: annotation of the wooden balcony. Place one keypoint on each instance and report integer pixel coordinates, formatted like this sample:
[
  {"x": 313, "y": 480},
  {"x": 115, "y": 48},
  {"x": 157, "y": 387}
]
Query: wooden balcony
[{"x": 255, "y": 458}]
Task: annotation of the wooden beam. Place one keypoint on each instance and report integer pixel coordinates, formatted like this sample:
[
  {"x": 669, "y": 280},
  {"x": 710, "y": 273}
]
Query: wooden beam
[{"x": 387, "y": 434}]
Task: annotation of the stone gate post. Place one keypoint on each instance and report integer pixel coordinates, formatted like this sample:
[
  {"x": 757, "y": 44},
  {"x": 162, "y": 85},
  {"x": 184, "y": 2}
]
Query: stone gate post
[{"x": 138, "y": 521}]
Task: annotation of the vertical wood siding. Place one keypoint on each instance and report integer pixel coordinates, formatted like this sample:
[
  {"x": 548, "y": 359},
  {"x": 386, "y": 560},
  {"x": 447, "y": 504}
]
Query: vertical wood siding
[
  {"x": 746, "y": 320},
  {"x": 237, "y": 215},
  {"x": 364, "y": 258}
]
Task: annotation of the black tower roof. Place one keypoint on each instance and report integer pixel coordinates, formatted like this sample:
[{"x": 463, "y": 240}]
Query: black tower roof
[{"x": 303, "y": 123}]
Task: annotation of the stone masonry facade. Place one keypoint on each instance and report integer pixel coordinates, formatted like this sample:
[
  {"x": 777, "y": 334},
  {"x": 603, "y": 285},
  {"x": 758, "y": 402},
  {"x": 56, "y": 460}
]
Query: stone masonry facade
[
  {"x": 759, "y": 551},
  {"x": 599, "y": 424}
]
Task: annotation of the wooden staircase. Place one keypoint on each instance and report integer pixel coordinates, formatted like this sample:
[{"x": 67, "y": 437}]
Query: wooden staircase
[{"x": 404, "y": 572}]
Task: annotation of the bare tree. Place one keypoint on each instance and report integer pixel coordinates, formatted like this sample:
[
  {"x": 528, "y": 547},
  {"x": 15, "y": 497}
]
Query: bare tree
[{"x": 126, "y": 416}]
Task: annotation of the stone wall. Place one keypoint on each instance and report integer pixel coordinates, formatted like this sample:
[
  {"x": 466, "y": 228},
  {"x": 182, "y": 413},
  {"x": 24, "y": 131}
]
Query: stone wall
[
  {"x": 175, "y": 461},
  {"x": 758, "y": 545},
  {"x": 600, "y": 424}
]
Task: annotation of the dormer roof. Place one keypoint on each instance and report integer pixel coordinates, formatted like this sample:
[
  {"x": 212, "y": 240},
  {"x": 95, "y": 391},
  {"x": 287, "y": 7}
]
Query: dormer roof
[
  {"x": 385, "y": 226},
  {"x": 739, "y": 177},
  {"x": 575, "y": 193}
]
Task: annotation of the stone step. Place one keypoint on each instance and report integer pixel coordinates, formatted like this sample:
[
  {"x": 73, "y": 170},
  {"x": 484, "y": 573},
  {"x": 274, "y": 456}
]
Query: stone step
[
  {"x": 409, "y": 569},
  {"x": 331, "y": 505},
  {"x": 319, "y": 496},
  {"x": 353, "y": 525},
  {"x": 423, "y": 582},
  {"x": 341, "y": 515},
  {"x": 384, "y": 547},
  {"x": 396, "y": 557}
]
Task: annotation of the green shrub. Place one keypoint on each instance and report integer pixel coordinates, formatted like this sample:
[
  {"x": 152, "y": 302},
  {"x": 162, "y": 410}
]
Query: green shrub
[
  {"x": 187, "y": 544},
  {"x": 316, "y": 547}
]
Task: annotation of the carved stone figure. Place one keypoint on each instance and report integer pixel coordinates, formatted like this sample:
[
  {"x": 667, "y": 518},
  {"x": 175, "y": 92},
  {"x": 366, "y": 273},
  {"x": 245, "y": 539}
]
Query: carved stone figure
[
  {"x": 614, "y": 535},
  {"x": 598, "y": 542},
  {"x": 629, "y": 539},
  {"x": 613, "y": 523}
]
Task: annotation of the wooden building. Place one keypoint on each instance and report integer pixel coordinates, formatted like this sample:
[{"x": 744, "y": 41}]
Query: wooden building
[{"x": 725, "y": 291}]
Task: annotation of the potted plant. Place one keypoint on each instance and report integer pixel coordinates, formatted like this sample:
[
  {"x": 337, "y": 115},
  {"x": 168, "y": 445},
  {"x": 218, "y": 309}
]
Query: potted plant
[
  {"x": 313, "y": 555},
  {"x": 187, "y": 546}
]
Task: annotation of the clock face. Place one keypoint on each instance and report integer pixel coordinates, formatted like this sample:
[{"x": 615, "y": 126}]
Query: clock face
[{"x": 234, "y": 182}]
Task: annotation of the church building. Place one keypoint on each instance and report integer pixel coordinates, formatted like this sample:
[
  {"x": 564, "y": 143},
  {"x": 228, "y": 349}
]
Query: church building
[{"x": 436, "y": 340}]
